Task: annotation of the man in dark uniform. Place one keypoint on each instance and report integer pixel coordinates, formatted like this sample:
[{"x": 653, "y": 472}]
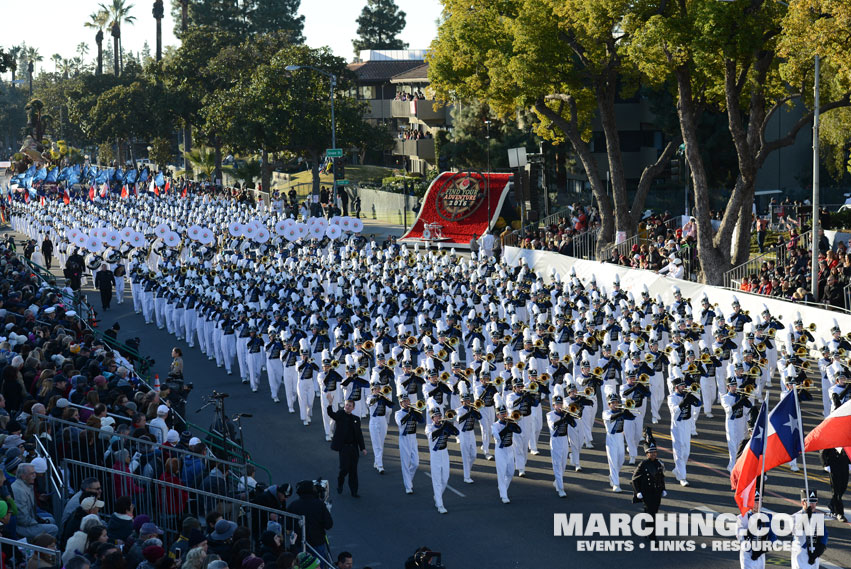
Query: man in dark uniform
[
  {"x": 104, "y": 280},
  {"x": 648, "y": 480},
  {"x": 836, "y": 463},
  {"x": 47, "y": 252},
  {"x": 347, "y": 440},
  {"x": 74, "y": 269}
]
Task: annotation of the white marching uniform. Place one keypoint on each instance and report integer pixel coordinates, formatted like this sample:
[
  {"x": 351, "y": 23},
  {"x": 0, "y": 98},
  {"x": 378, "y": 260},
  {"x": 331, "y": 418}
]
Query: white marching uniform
[
  {"x": 558, "y": 447},
  {"x": 734, "y": 427},
  {"x": 504, "y": 458},
  {"x": 408, "y": 449}
]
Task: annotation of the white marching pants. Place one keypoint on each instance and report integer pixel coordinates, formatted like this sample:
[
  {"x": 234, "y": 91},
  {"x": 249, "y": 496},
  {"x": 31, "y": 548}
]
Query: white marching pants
[
  {"x": 377, "y": 434},
  {"x": 119, "y": 290},
  {"x": 439, "y": 474},
  {"x": 228, "y": 350},
  {"x": 486, "y": 426},
  {"x": 290, "y": 383},
  {"x": 255, "y": 368},
  {"x": 275, "y": 371},
  {"x": 681, "y": 443},
  {"x": 558, "y": 453},
  {"x": 305, "y": 398},
  {"x": 615, "y": 454},
  {"x": 410, "y": 459},
  {"x": 467, "y": 440},
  {"x": 505, "y": 466}
]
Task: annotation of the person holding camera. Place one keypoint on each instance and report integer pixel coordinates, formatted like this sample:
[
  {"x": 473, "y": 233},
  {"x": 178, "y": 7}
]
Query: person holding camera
[{"x": 317, "y": 518}]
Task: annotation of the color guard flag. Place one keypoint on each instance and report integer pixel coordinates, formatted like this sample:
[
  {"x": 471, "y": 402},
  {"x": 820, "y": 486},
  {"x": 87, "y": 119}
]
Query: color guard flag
[
  {"x": 91, "y": 193},
  {"x": 833, "y": 432},
  {"x": 783, "y": 440},
  {"x": 167, "y": 186},
  {"x": 124, "y": 192},
  {"x": 748, "y": 467},
  {"x": 183, "y": 194},
  {"x": 66, "y": 197}
]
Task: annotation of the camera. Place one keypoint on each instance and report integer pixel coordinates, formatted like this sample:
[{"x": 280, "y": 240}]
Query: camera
[{"x": 425, "y": 558}]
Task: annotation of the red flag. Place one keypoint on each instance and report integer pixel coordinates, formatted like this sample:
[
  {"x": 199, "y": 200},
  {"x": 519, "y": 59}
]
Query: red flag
[
  {"x": 42, "y": 201},
  {"x": 124, "y": 192},
  {"x": 167, "y": 186},
  {"x": 92, "y": 193},
  {"x": 26, "y": 196},
  {"x": 183, "y": 194},
  {"x": 66, "y": 197},
  {"x": 833, "y": 432},
  {"x": 103, "y": 190}
]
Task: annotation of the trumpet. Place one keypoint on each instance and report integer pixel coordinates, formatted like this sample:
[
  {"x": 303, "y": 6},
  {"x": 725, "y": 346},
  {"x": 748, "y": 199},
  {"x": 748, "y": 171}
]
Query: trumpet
[
  {"x": 419, "y": 405},
  {"x": 386, "y": 390},
  {"x": 411, "y": 341},
  {"x": 619, "y": 355},
  {"x": 589, "y": 391},
  {"x": 515, "y": 416},
  {"x": 629, "y": 403},
  {"x": 478, "y": 403},
  {"x": 520, "y": 365},
  {"x": 444, "y": 376},
  {"x": 453, "y": 341},
  {"x": 489, "y": 357},
  {"x": 498, "y": 381},
  {"x": 644, "y": 379},
  {"x": 419, "y": 371},
  {"x": 694, "y": 387},
  {"x": 368, "y": 345},
  {"x": 450, "y": 414},
  {"x": 391, "y": 362},
  {"x": 544, "y": 377},
  {"x": 812, "y": 327}
]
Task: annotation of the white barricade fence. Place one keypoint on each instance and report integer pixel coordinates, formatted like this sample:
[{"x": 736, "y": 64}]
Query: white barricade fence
[{"x": 543, "y": 262}]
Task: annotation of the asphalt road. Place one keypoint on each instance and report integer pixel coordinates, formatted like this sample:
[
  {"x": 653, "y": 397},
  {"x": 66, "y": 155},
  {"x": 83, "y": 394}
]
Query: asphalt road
[{"x": 384, "y": 526}]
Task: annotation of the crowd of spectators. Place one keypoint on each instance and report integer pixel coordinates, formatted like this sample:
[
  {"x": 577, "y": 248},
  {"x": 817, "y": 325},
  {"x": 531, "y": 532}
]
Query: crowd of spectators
[
  {"x": 558, "y": 236},
  {"x": 415, "y": 96},
  {"x": 66, "y": 395}
]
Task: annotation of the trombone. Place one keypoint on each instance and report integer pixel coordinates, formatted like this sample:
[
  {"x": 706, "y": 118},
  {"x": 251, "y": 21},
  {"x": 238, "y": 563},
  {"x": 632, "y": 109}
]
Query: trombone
[
  {"x": 419, "y": 405},
  {"x": 589, "y": 391},
  {"x": 643, "y": 379},
  {"x": 453, "y": 341},
  {"x": 386, "y": 390},
  {"x": 544, "y": 377},
  {"x": 649, "y": 358},
  {"x": 419, "y": 371},
  {"x": 450, "y": 415},
  {"x": 694, "y": 387},
  {"x": 468, "y": 372},
  {"x": 534, "y": 386},
  {"x": 515, "y": 416},
  {"x": 628, "y": 403},
  {"x": 444, "y": 376},
  {"x": 539, "y": 343},
  {"x": 479, "y": 403},
  {"x": 368, "y": 345},
  {"x": 391, "y": 362},
  {"x": 575, "y": 410},
  {"x": 619, "y": 355},
  {"x": 498, "y": 381},
  {"x": 489, "y": 357},
  {"x": 411, "y": 341},
  {"x": 520, "y": 365}
]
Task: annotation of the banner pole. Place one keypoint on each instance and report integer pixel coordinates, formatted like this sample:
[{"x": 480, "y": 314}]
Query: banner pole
[
  {"x": 764, "y": 445},
  {"x": 801, "y": 435}
]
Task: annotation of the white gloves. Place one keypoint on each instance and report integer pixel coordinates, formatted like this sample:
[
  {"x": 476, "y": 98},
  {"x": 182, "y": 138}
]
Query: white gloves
[{"x": 640, "y": 496}]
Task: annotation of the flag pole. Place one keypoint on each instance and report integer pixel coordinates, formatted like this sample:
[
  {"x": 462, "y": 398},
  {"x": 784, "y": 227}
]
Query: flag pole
[
  {"x": 762, "y": 457},
  {"x": 801, "y": 435}
]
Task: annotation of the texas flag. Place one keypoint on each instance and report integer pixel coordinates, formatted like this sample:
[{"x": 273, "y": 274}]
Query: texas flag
[
  {"x": 783, "y": 440},
  {"x": 104, "y": 190},
  {"x": 833, "y": 432},
  {"x": 748, "y": 467},
  {"x": 153, "y": 188}
]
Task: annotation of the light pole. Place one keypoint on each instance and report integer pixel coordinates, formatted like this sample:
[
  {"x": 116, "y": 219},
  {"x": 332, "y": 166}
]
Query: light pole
[
  {"x": 333, "y": 79},
  {"x": 487, "y": 175}
]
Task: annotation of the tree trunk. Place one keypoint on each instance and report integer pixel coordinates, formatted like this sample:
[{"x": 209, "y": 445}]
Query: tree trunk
[
  {"x": 159, "y": 39},
  {"x": 187, "y": 146},
  {"x": 570, "y": 127},
  {"x": 561, "y": 166},
  {"x": 217, "y": 144},
  {"x": 606, "y": 88},
  {"x": 115, "y": 55},
  {"x": 99, "y": 41},
  {"x": 184, "y": 15},
  {"x": 314, "y": 170},
  {"x": 266, "y": 173},
  {"x": 648, "y": 176}
]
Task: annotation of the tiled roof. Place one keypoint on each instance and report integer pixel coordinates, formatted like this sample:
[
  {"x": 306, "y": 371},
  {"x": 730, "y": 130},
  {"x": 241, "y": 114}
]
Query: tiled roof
[{"x": 381, "y": 71}]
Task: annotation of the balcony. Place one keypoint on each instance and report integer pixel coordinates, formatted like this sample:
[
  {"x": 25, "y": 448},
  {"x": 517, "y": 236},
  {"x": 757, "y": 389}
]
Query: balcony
[
  {"x": 422, "y": 109},
  {"x": 422, "y": 149}
]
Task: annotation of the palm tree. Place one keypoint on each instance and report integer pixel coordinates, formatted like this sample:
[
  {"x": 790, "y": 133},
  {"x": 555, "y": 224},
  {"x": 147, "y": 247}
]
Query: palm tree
[
  {"x": 82, "y": 50},
  {"x": 32, "y": 56},
  {"x": 203, "y": 159},
  {"x": 67, "y": 67},
  {"x": 14, "y": 52},
  {"x": 119, "y": 13},
  {"x": 98, "y": 21},
  {"x": 57, "y": 61},
  {"x": 37, "y": 120},
  {"x": 158, "y": 16}
]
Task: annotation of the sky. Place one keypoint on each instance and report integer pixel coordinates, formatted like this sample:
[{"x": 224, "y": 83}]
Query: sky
[{"x": 60, "y": 27}]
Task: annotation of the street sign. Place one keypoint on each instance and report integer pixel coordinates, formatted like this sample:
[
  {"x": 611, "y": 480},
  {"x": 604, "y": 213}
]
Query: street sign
[
  {"x": 343, "y": 182},
  {"x": 334, "y": 153}
]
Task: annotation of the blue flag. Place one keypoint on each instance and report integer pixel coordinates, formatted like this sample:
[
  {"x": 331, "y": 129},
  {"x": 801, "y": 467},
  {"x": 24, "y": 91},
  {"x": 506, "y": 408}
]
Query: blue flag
[
  {"x": 101, "y": 177},
  {"x": 159, "y": 180},
  {"x": 41, "y": 174},
  {"x": 31, "y": 171},
  {"x": 52, "y": 176},
  {"x": 119, "y": 175},
  {"x": 143, "y": 177},
  {"x": 130, "y": 177}
]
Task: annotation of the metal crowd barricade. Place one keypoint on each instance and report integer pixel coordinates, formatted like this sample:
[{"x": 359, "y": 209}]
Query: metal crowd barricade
[
  {"x": 91, "y": 445},
  {"x": 555, "y": 218},
  {"x": 19, "y": 552},
  {"x": 623, "y": 248},
  {"x": 746, "y": 269},
  {"x": 55, "y": 481},
  {"x": 585, "y": 245},
  {"x": 167, "y": 503}
]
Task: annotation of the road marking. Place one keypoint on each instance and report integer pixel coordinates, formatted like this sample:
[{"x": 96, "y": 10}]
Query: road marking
[
  {"x": 448, "y": 487},
  {"x": 707, "y": 510}
]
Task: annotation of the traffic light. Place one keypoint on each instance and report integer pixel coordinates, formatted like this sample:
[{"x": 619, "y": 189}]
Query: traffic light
[
  {"x": 339, "y": 169},
  {"x": 675, "y": 169}
]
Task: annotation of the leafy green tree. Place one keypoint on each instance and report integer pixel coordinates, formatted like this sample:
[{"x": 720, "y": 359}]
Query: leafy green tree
[
  {"x": 275, "y": 16},
  {"x": 160, "y": 152},
  {"x": 37, "y": 119},
  {"x": 7, "y": 61},
  {"x": 563, "y": 60},
  {"x": 726, "y": 56},
  {"x": 245, "y": 171},
  {"x": 203, "y": 160},
  {"x": 379, "y": 23}
]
